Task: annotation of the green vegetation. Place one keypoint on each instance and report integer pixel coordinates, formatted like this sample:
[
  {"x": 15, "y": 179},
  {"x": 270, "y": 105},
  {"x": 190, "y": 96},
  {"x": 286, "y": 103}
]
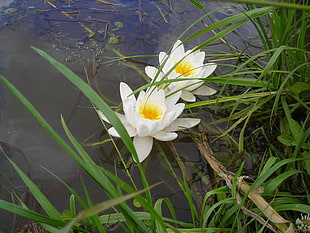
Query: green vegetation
[{"x": 265, "y": 100}]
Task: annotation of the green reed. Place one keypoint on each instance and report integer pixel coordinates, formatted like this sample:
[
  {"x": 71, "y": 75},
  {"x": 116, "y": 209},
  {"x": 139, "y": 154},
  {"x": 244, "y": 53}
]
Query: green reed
[{"x": 282, "y": 114}]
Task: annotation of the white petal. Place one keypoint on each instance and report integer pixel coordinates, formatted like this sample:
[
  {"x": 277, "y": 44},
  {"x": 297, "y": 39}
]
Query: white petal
[
  {"x": 171, "y": 115},
  {"x": 171, "y": 74},
  {"x": 177, "y": 53},
  {"x": 188, "y": 96},
  {"x": 130, "y": 130},
  {"x": 208, "y": 69},
  {"x": 156, "y": 95},
  {"x": 112, "y": 131},
  {"x": 165, "y": 136},
  {"x": 153, "y": 95},
  {"x": 147, "y": 127},
  {"x": 151, "y": 71},
  {"x": 193, "y": 85},
  {"x": 142, "y": 129},
  {"x": 173, "y": 97},
  {"x": 141, "y": 96},
  {"x": 102, "y": 116},
  {"x": 182, "y": 123},
  {"x": 198, "y": 58},
  {"x": 143, "y": 146},
  {"x": 162, "y": 57},
  {"x": 177, "y": 45},
  {"x": 129, "y": 102},
  {"x": 188, "y": 56},
  {"x": 129, "y": 110},
  {"x": 179, "y": 109},
  {"x": 125, "y": 91},
  {"x": 122, "y": 118},
  {"x": 204, "y": 90}
]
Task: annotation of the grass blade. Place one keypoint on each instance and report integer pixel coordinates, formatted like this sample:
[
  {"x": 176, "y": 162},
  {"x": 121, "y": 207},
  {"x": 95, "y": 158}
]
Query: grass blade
[
  {"x": 102, "y": 106},
  {"x": 101, "y": 207},
  {"x": 28, "y": 214},
  {"x": 36, "y": 192},
  {"x": 94, "y": 97}
]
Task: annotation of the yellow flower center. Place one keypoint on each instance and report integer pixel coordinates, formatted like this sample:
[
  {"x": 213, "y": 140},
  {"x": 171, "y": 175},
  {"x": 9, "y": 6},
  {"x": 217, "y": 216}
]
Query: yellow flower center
[
  {"x": 185, "y": 68},
  {"x": 150, "y": 111}
]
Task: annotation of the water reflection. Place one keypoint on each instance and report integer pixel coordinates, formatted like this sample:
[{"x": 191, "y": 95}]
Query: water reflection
[
  {"x": 79, "y": 34},
  {"x": 6, "y": 3}
]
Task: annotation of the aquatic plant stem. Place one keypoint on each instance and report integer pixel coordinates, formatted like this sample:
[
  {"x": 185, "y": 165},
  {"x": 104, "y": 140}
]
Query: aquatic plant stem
[
  {"x": 282, "y": 225},
  {"x": 91, "y": 33}
]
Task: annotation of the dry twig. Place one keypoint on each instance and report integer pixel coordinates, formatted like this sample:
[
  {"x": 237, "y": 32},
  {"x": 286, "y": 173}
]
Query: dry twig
[{"x": 277, "y": 222}]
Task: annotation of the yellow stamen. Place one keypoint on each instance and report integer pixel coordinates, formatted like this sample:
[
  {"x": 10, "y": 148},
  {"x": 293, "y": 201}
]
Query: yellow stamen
[
  {"x": 150, "y": 111},
  {"x": 185, "y": 68}
]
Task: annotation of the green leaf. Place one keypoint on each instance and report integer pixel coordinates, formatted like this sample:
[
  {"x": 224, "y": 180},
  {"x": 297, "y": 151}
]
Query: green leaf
[
  {"x": 94, "y": 98},
  {"x": 247, "y": 82},
  {"x": 234, "y": 22},
  {"x": 29, "y": 214},
  {"x": 158, "y": 208},
  {"x": 287, "y": 140},
  {"x": 228, "y": 99},
  {"x": 270, "y": 162},
  {"x": 197, "y": 4},
  {"x": 269, "y": 170},
  {"x": 272, "y": 61},
  {"x": 147, "y": 205},
  {"x": 281, "y": 4},
  {"x": 100, "y": 176},
  {"x": 295, "y": 129},
  {"x": 299, "y": 87},
  {"x": 102, "y": 106},
  {"x": 293, "y": 207},
  {"x": 119, "y": 217},
  {"x": 86, "y": 165},
  {"x": 72, "y": 205},
  {"x": 271, "y": 186},
  {"x": 101, "y": 207},
  {"x": 36, "y": 192},
  {"x": 306, "y": 162},
  {"x": 77, "y": 198}
]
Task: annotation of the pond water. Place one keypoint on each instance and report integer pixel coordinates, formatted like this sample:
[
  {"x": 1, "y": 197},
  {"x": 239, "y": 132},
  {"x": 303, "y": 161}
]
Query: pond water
[{"x": 81, "y": 34}]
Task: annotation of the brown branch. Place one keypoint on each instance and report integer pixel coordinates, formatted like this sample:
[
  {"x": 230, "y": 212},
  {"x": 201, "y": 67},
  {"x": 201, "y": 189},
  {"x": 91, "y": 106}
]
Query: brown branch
[{"x": 280, "y": 224}]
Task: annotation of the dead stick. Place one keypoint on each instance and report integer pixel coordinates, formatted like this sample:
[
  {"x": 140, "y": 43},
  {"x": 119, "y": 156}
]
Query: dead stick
[{"x": 283, "y": 225}]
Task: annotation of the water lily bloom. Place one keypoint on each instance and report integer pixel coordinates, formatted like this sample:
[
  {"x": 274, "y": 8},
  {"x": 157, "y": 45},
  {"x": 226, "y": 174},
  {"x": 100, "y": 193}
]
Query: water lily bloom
[
  {"x": 303, "y": 223},
  {"x": 187, "y": 65},
  {"x": 151, "y": 115}
]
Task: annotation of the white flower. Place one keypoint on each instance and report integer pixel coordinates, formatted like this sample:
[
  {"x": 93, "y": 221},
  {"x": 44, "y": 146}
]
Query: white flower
[
  {"x": 184, "y": 65},
  {"x": 151, "y": 115},
  {"x": 303, "y": 224}
]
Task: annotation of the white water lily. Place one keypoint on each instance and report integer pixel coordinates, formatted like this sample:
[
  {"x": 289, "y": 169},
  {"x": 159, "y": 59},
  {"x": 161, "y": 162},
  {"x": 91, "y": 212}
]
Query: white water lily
[
  {"x": 188, "y": 65},
  {"x": 303, "y": 223},
  {"x": 151, "y": 115}
]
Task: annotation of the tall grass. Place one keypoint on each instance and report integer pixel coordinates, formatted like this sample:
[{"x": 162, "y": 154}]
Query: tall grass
[
  {"x": 272, "y": 104},
  {"x": 282, "y": 115}
]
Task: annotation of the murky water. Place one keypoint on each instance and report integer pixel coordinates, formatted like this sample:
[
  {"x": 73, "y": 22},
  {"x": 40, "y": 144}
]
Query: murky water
[{"x": 77, "y": 33}]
